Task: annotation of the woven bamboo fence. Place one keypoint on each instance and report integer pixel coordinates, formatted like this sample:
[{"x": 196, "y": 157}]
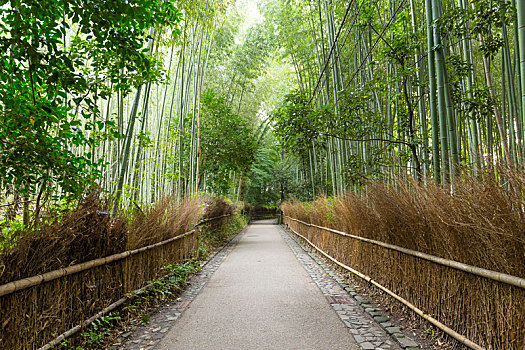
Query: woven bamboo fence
[
  {"x": 36, "y": 310},
  {"x": 484, "y": 306}
]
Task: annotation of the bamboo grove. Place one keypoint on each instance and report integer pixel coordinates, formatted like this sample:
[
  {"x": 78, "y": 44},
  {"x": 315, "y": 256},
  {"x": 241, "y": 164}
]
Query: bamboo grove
[
  {"x": 184, "y": 135},
  {"x": 432, "y": 88},
  {"x": 140, "y": 99},
  {"x": 306, "y": 97}
]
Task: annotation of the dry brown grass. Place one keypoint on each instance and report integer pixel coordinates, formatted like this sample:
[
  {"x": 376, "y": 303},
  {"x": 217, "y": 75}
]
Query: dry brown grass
[
  {"x": 482, "y": 223},
  {"x": 80, "y": 235},
  {"x": 32, "y": 317},
  {"x": 212, "y": 231},
  {"x": 217, "y": 207},
  {"x": 164, "y": 220}
]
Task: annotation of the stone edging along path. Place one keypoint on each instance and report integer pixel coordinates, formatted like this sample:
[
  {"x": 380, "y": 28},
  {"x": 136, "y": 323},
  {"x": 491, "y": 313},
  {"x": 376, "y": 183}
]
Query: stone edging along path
[
  {"x": 368, "y": 324},
  {"x": 146, "y": 337}
]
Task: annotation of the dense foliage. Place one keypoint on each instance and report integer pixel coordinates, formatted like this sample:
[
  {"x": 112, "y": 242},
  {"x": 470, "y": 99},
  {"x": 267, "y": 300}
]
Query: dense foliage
[
  {"x": 389, "y": 88},
  {"x": 129, "y": 97},
  {"x": 228, "y": 143},
  {"x": 58, "y": 58},
  {"x": 260, "y": 102}
]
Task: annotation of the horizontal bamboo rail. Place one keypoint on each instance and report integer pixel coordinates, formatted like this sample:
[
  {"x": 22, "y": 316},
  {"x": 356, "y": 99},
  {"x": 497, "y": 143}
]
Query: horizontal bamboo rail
[
  {"x": 119, "y": 302},
  {"x": 478, "y": 271},
  {"x": 28, "y": 282},
  {"x": 462, "y": 339},
  {"x": 87, "y": 322},
  {"x": 211, "y": 219},
  {"x": 92, "y": 319}
]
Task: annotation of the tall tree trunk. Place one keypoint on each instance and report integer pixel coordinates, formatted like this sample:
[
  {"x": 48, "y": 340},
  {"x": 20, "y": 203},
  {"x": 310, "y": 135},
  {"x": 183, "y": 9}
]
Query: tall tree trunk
[
  {"x": 497, "y": 114},
  {"x": 421, "y": 95},
  {"x": 469, "y": 85},
  {"x": 442, "y": 96},
  {"x": 520, "y": 5},
  {"x": 432, "y": 93},
  {"x": 126, "y": 152},
  {"x": 129, "y": 137}
]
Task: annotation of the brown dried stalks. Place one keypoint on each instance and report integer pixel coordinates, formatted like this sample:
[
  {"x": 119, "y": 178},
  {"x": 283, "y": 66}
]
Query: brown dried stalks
[
  {"x": 481, "y": 223},
  {"x": 212, "y": 233},
  {"x": 84, "y": 234},
  {"x": 217, "y": 207},
  {"x": 164, "y": 220},
  {"x": 32, "y": 317}
]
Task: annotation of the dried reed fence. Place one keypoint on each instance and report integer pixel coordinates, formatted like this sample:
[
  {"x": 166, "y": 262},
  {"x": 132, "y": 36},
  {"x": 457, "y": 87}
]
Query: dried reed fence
[
  {"x": 481, "y": 225},
  {"x": 35, "y": 310}
]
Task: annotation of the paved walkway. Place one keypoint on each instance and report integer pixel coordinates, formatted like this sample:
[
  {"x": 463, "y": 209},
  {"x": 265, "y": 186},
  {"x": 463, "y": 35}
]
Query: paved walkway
[
  {"x": 264, "y": 290},
  {"x": 260, "y": 297}
]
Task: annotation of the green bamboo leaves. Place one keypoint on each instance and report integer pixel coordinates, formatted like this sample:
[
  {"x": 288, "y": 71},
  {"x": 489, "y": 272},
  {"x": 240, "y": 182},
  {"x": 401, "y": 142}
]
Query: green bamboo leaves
[{"x": 462, "y": 111}]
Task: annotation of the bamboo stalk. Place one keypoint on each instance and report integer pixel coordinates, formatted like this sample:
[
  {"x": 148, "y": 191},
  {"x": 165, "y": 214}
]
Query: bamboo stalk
[
  {"x": 520, "y": 6},
  {"x": 489, "y": 274},
  {"x": 442, "y": 100},
  {"x": 462, "y": 339}
]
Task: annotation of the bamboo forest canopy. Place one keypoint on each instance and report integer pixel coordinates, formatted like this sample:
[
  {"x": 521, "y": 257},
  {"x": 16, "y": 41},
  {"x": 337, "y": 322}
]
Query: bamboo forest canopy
[
  {"x": 433, "y": 89},
  {"x": 256, "y": 100}
]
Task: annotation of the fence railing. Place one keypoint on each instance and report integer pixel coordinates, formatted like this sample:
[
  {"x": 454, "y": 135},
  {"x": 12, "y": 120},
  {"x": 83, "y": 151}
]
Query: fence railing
[
  {"x": 29, "y": 282},
  {"x": 441, "y": 287},
  {"x": 493, "y": 275},
  {"x": 35, "y": 310}
]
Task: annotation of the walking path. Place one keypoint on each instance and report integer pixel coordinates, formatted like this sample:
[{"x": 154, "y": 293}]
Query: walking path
[{"x": 263, "y": 291}]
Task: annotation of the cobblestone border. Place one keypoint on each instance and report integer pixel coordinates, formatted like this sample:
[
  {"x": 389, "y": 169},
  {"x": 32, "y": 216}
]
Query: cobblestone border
[
  {"x": 369, "y": 325},
  {"x": 147, "y": 337}
]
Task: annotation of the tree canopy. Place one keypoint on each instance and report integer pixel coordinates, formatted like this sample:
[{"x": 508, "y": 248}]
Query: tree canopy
[{"x": 255, "y": 100}]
